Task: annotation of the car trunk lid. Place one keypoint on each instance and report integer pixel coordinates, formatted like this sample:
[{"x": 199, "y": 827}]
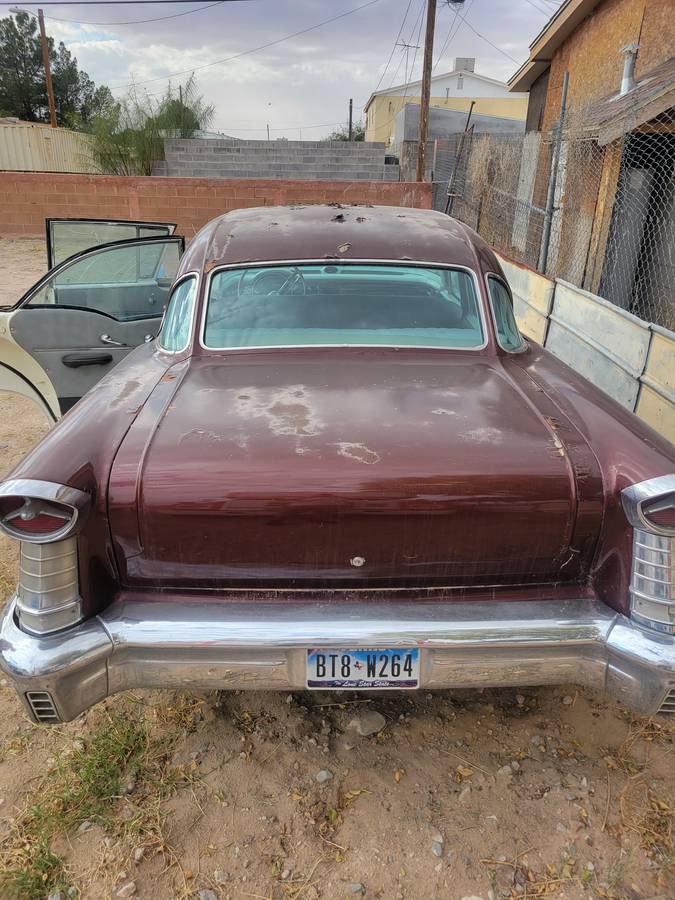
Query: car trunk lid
[{"x": 343, "y": 468}]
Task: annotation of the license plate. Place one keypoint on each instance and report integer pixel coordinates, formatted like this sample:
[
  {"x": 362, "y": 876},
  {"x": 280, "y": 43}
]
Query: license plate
[{"x": 363, "y": 669}]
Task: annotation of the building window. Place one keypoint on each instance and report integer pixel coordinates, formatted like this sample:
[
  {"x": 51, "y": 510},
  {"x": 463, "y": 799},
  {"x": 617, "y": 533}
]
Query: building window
[{"x": 460, "y": 82}]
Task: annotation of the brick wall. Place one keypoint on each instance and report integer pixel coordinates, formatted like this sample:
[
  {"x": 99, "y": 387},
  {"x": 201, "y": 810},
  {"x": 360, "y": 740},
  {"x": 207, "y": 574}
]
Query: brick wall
[{"x": 28, "y": 198}]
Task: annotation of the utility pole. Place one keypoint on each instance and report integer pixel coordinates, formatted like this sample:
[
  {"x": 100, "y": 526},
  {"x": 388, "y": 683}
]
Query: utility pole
[
  {"x": 48, "y": 71},
  {"x": 426, "y": 89},
  {"x": 351, "y": 119}
]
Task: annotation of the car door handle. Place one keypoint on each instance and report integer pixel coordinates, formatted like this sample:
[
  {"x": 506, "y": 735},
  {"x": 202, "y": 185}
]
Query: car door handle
[
  {"x": 106, "y": 339},
  {"x": 86, "y": 358}
]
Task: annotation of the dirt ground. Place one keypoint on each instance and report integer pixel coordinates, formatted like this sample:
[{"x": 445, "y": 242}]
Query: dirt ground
[{"x": 501, "y": 793}]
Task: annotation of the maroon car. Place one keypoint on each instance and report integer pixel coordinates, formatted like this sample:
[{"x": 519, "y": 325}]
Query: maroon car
[{"x": 338, "y": 466}]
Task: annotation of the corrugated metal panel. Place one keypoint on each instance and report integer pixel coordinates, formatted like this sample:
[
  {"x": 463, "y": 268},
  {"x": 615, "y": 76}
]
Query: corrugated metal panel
[
  {"x": 36, "y": 148},
  {"x": 600, "y": 341},
  {"x": 656, "y": 401}
]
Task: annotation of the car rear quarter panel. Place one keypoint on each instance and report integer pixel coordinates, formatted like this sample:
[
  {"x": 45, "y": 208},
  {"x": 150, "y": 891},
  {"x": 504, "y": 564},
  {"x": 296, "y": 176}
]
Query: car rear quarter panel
[
  {"x": 79, "y": 451},
  {"x": 627, "y": 450}
]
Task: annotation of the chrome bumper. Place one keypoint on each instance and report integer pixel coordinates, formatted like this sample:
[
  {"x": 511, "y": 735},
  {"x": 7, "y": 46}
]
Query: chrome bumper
[{"x": 234, "y": 645}]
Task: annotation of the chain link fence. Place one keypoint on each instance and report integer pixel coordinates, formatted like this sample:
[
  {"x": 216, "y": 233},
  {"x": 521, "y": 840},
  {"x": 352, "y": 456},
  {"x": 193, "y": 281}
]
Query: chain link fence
[{"x": 600, "y": 215}]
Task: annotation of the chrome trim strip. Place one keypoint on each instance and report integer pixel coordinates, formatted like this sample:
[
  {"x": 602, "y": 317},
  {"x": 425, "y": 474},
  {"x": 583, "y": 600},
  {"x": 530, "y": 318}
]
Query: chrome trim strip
[
  {"x": 332, "y": 261},
  {"x": 235, "y": 645},
  {"x": 76, "y": 500},
  {"x": 634, "y": 497}
]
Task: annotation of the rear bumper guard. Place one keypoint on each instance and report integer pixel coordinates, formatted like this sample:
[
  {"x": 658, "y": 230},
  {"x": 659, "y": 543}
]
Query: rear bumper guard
[{"x": 234, "y": 645}]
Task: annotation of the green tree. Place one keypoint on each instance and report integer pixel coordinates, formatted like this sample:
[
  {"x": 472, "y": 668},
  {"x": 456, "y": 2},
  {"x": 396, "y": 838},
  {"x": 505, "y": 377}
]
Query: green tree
[
  {"x": 342, "y": 133},
  {"x": 22, "y": 81},
  {"x": 129, "y": 136},
  {"x": 22, "y": 88}
]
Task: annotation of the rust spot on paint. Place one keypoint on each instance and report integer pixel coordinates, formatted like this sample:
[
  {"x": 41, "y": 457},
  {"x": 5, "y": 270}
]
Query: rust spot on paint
[
  {"x": 343, "y": 248},
  {"x": 358, "y": 452}
]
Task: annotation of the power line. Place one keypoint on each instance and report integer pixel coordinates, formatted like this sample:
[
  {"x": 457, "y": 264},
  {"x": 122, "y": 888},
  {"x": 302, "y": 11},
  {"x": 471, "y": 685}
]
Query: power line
[
  {"x": 488, "y": 41},
  {"x": 112, "y": 2},
  {"x": 391, "y": 55},
  {"x": 451, "y": 34},
  {"x": 227, "y": 59},
  {"x": 187, "y": 12}
]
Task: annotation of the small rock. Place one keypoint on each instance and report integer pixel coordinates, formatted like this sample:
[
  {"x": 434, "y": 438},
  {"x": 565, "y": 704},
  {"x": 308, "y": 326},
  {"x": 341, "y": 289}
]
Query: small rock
[
  {"x": 520, "y": 699},
  {"x": 139, "y": 853},
  {"x": 368, "y": 722},
  {"x": 222, "y": 877},
  {"x": 590, "y": 867},
  {"x": 515, "y": 765},
  {"x": 437, "y": 848},
  {"x": 57, "y": 895},
  {"x": 505, "y": 772},
  {"x": 323, "y": 776},
  {"x": 560, "y": 828},
  {"x": 78, "y": 746},
  {"x": 438, "y": 867},
  {"x": 207, "y": 894},
  {"x": 347, "y": 745},
  {"x": 491, "y": 894},
  {"x": 567, "y": 700},
  {"x": 357, "y": 888},
  {"x": 285, "y": 874},
  {"x": 127, "y": 890},
  {"x": 438, "y": 837},
  {"x": 471, "y": 897},
  {"x": 464, "y": 793},
  {"x": 84, "y": 826}
]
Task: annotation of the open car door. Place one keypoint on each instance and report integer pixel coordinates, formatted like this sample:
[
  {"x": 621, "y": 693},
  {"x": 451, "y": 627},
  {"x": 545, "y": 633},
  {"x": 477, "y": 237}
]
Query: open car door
[
  {"x": 83, "y": 317},
  {"x": 66, "y": 237}
]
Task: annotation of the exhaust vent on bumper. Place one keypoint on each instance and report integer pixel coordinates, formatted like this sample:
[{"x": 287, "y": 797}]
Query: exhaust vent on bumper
[{"x": 42, "y": 707}]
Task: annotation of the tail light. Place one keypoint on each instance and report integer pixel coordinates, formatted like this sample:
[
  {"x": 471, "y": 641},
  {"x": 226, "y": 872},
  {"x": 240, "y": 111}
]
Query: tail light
[
  {"x": 650, "y": 509},
  {"x": 45, "y": 517}
]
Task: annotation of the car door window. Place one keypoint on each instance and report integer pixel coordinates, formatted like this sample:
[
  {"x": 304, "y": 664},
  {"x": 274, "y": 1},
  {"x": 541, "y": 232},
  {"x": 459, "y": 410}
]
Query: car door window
[
  {"x": 175, "y": 333},
  {"x": 66, "y": 237},
  {"x": 126, "y": 282},
  {"x": 508, "y": 336}
]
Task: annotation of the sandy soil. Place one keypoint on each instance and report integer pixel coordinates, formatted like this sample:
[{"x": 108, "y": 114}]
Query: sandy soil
[{"x": 553, "y": 792}]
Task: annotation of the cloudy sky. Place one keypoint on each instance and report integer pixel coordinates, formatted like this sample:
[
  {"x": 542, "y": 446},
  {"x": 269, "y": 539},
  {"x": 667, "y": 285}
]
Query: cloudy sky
[{"x": 302, "y": 85}]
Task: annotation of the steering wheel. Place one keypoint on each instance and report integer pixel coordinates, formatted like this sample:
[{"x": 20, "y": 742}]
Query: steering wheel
[{"x": 285, "y": 284}]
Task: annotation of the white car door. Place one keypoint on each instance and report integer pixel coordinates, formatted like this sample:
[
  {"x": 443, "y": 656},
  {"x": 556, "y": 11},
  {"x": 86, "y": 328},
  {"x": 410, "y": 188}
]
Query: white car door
[{"x": 83, "y": 317}]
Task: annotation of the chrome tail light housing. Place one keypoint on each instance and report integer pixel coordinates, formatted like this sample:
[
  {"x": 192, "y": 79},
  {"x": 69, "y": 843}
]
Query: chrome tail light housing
[
  {"x": 45, "y": 518},
  {"x": 650, "y": 509}
]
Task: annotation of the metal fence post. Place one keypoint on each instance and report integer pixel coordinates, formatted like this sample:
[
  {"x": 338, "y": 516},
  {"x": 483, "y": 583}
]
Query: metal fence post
[{"x": 550, "y": 197}]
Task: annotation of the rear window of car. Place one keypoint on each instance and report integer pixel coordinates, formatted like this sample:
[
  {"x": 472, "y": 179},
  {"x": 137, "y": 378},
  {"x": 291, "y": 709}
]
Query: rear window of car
[{"x": 337, "y": 304}]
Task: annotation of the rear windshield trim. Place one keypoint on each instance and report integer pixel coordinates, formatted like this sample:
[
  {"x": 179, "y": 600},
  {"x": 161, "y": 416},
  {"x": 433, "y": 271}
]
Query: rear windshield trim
[{"x": 324, "y": 261}]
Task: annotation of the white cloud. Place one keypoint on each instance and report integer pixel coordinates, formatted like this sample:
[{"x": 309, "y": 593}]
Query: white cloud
[{"x": 304, "y": 81}]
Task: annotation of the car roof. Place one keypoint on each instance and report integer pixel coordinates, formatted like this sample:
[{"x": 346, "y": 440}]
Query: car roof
[{"x": 336, "y": 231}]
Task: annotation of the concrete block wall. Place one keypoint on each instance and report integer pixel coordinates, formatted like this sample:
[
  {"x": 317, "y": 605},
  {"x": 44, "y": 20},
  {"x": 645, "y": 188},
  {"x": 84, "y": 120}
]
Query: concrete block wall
[
  {"x": 301, "y": 160},
  {"x": 28, "y": 198}
]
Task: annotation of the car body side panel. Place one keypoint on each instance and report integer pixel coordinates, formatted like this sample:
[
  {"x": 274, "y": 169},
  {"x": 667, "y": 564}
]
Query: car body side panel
[
  {"x": 79, "y": 451},
  {"x": 627, "y": 449}
]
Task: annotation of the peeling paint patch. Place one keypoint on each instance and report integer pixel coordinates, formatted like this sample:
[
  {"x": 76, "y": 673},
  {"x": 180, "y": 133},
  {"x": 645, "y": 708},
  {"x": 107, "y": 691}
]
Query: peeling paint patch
[
  {"x": 443, "y": 412},
  {"x": 483, "y": 436},
  {"x": 359, "y": 452},
  {"x": 288, "y": 411}
]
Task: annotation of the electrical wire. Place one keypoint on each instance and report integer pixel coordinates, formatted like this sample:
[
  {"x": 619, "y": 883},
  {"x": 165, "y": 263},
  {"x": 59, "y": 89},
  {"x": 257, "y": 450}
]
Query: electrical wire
[
  {"x": 393, "y": 49},
  {"x": 488, "y": 41},
  {"x": 450, "y": 35},
  {"x": 227, "y": 59},
  {"x": 187, "y": 12}
]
